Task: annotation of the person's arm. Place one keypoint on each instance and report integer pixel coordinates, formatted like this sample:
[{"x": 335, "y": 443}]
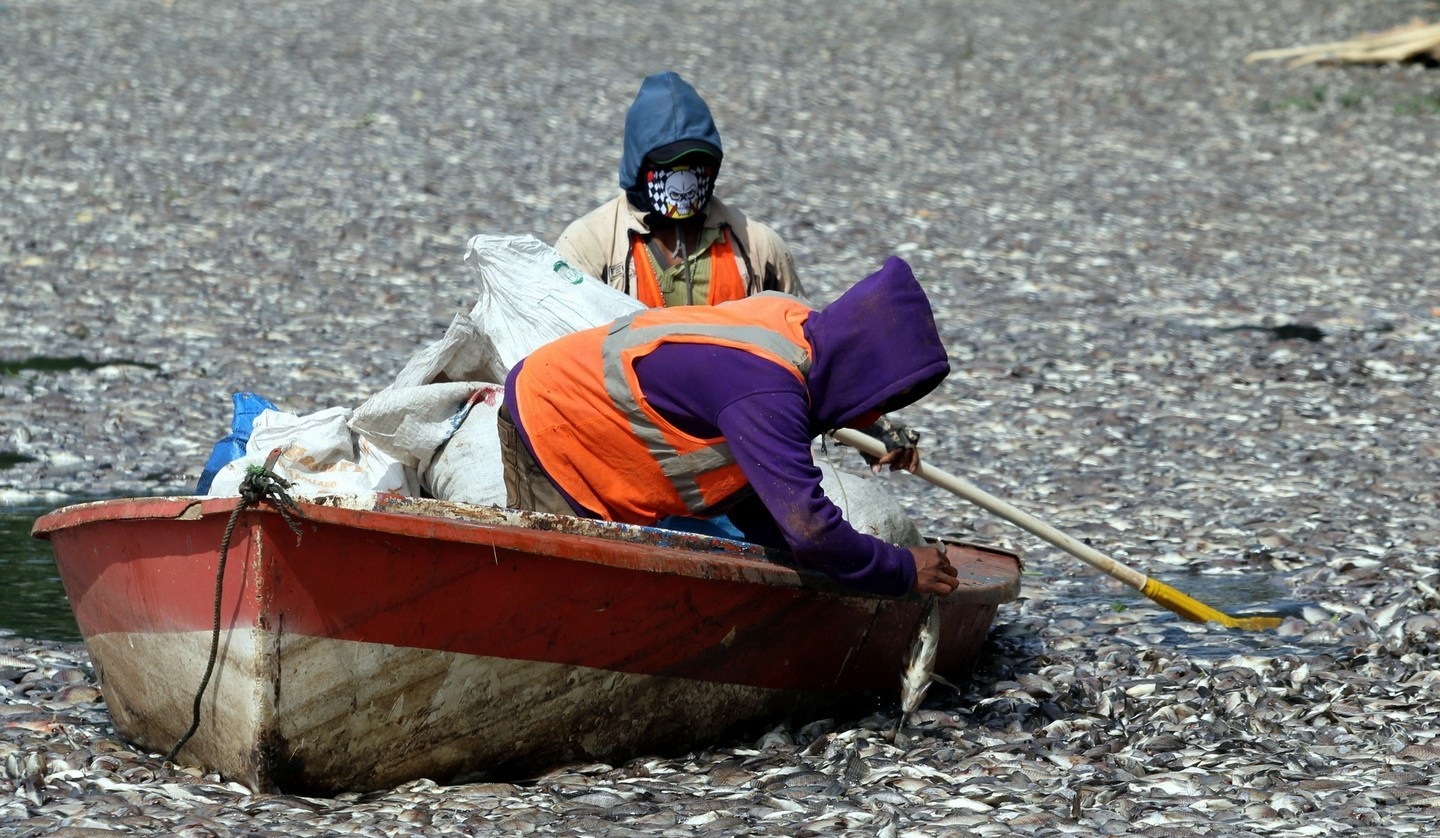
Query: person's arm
[
  {"x": 762, "y": 411},
  {"x": 768, "y": 434},
  {"x": 780, "y": 274},
  {"x": 598, "y": 242},
  {"x": 770, "y": 259},
  {"x": 755, "y": 522},
  {"x": 933, "y": 572}
]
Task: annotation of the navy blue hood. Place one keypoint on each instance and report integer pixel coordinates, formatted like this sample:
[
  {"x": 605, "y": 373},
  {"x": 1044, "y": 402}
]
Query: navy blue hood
[
  {"x": 667, "y": 110},
  {"x": 876, "y": 347}
]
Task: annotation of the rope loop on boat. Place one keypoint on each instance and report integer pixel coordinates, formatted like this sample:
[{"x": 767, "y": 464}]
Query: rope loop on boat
[{"x": 260, "y": 484}]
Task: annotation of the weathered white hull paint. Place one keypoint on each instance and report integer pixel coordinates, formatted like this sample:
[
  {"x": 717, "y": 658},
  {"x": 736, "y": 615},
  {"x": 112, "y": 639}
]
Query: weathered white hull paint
[{"x": 369, "y": 715}]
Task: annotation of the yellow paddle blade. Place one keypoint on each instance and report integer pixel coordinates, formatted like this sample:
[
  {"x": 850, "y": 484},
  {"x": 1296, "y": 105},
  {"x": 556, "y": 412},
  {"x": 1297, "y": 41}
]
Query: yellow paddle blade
[{"x": 1196, "y": 611}]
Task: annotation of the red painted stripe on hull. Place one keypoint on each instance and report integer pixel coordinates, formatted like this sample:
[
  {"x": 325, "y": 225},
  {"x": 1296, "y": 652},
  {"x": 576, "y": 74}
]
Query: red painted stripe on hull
[{"x": 497, "y": 591}]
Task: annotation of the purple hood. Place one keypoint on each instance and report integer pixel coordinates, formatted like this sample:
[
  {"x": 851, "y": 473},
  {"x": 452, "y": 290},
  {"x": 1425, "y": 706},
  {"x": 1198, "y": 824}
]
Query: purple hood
[{"x": 876, "y": 347}]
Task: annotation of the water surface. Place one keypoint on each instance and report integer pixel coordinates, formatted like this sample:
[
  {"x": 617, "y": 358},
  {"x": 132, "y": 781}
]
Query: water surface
[{"x": 32, "y": 601}]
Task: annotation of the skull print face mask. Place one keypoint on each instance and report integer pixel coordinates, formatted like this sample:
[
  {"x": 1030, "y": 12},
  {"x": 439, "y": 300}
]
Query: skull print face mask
[{"x": 679, "y": 192}]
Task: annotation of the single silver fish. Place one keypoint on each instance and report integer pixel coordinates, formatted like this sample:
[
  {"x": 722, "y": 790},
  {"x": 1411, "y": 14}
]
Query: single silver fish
[{"x": 920, "y": 667}]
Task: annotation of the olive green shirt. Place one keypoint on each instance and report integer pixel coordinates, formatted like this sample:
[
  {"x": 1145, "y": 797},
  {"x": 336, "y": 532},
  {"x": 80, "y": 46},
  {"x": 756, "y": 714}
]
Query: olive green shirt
[{"x": 684, "y": 283}]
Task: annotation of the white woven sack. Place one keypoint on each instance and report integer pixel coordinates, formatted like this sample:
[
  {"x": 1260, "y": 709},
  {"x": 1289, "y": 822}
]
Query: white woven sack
[
  {"x": 411, "y": 423},
  {"x": 464, "y": 353},
  {"x": 319, "y": 455},
  {"x": 469, "y": 469},
  {"x": 868, "y": 506},
  {"x": 530, "y": 296}
]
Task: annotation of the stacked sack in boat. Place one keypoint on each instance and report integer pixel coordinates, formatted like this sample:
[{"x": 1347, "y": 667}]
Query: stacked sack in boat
[{"x": 432, "y": 432}]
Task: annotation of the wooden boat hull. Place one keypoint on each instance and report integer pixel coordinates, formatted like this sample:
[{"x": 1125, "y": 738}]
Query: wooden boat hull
[{"x": 424, "y": 639}]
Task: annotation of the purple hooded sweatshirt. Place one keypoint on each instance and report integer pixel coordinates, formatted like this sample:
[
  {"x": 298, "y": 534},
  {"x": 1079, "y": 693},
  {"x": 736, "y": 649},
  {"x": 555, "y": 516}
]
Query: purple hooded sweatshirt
[{"x": 875, "y": 348}]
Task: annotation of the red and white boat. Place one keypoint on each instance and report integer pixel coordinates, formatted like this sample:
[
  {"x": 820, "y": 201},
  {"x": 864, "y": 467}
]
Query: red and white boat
[{"x": 414, "y": 638}]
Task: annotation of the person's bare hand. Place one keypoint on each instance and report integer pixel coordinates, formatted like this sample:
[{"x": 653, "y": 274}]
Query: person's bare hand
[
  {"x": 933, "y": 572},
  {"x": 901, "y": 458}
]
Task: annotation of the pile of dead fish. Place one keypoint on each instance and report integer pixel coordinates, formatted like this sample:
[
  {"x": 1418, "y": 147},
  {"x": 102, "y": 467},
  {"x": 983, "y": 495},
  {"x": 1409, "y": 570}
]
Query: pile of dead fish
[
  {"x": 1073, "y": 725},
  {"x": 1189, "y": 303}
]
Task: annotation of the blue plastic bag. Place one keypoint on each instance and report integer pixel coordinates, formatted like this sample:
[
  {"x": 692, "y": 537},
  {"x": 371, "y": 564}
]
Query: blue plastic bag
[
  {"x": 717, "y": 527},
  {"x": 232, "y": 447}
]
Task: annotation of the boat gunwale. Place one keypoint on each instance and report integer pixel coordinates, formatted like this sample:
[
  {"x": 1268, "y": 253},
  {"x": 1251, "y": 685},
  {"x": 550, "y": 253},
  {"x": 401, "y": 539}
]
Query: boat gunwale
[{"x": 598, "y": 547}]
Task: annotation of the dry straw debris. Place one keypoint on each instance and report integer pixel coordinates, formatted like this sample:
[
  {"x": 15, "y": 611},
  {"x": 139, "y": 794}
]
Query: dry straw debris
[{"x": 1414, "y": 41}]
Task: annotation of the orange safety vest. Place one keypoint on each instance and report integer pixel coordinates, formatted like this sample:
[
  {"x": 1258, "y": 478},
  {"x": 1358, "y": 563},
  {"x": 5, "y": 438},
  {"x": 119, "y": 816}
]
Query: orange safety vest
[
  {"x": 726, "y": 283},
  {"x": 597, "y": 437}
]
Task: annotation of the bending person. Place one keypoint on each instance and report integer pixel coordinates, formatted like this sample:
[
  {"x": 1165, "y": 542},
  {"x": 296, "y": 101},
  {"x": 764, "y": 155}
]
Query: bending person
[{"x": 709, "y": 410}]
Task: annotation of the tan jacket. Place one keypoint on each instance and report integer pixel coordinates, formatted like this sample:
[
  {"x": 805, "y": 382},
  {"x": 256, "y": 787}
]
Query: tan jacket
[{"x": 599, "y": 244}]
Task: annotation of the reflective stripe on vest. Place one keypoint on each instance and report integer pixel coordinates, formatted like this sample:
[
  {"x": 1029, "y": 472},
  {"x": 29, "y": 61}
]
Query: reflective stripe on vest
[
  {"x": 726, "y": 283},
  {"x": 600, "y": 441},
  {"x": 683, "y": 469}
]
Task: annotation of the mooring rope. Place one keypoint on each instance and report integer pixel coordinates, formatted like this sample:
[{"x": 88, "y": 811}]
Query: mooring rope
[{"x": 260, "y": 484}]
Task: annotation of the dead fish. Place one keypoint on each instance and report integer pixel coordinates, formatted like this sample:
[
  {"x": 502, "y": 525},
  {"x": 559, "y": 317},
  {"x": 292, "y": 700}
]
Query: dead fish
[
  {"x": 920, "y": 667},
  {"x": 36, "y": 725}
]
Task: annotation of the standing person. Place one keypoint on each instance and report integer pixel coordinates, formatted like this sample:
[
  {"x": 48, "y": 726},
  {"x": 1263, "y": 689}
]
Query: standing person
[
  {"x": 709, "y": 410},
  {"x": 666, "y": 239}
]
